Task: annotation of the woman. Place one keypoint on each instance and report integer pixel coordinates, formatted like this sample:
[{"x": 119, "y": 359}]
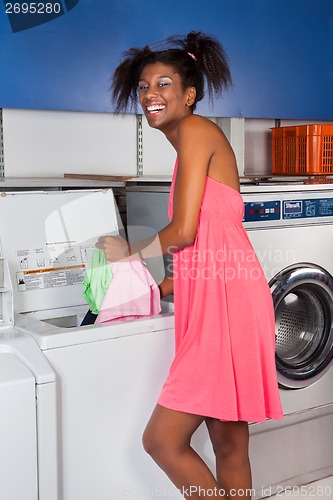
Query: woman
[{"x": 224, "y": 372}]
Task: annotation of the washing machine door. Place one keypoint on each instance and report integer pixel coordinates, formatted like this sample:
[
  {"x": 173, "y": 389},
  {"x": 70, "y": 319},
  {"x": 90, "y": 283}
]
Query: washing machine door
[{"x": 303, "y": 303}]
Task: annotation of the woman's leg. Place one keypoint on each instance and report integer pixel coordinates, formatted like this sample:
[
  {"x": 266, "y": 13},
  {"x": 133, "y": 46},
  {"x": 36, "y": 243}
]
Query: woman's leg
[
  {"x": 230, "y": 442},
  {"x": 167, "y": 439}
]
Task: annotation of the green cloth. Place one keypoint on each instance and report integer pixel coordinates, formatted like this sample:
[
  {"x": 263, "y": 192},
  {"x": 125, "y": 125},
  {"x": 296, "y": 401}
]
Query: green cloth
[{"x": 97, "y": 280}]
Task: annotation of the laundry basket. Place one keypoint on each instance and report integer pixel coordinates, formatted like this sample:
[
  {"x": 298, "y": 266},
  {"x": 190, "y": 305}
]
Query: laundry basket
[{"x": 302, "y": 150}]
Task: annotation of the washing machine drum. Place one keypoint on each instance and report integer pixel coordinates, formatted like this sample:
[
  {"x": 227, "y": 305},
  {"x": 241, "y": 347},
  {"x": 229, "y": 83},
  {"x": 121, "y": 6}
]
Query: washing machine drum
[{"x": 303, "y": 303}]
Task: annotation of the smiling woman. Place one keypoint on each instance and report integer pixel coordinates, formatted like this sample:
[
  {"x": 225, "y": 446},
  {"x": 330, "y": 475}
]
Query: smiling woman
[{"x": 224, "y": 371}]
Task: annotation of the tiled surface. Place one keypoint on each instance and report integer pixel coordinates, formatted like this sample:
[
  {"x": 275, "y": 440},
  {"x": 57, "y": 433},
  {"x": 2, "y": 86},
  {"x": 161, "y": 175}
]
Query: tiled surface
[{"x": 319, "y": 490}]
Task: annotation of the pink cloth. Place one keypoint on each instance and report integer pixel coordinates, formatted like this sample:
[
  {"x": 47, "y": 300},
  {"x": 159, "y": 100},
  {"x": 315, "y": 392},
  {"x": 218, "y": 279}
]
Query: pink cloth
[
  {"x": 224, "y": 365},
  {"x": 132, "y": 293}
]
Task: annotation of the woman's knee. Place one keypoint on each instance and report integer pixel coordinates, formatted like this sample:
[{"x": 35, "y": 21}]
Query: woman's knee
[
  {"x": 152, "y": 441},
  {"x": 168, "y": 432}
]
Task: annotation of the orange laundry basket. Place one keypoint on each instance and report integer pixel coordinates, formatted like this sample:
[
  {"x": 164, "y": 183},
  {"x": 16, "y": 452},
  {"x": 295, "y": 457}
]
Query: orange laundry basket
[{"x": 302, "y": 150}]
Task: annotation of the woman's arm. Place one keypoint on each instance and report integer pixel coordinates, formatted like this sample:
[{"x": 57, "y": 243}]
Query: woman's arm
[{"x": 194, "y": 148}]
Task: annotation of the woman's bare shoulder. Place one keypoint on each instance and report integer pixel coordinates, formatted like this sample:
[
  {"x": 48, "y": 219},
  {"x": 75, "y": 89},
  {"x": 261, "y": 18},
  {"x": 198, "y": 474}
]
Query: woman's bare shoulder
[
  {"x": 197, "y": 127},
  {"x": 195, "y": 120},
  {"x": 196, "y": 123}
]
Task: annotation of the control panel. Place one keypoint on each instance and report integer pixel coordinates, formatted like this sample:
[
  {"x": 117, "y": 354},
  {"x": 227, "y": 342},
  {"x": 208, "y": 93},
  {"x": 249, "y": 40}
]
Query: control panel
[
  {"x": 322, "y": 207},
  {"x": 280, "y": 212},
  {"x": 262, "y": 210}
]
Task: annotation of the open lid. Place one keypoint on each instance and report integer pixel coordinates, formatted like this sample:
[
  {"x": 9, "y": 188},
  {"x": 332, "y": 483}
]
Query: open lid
[{"x": 48, "y": 238}]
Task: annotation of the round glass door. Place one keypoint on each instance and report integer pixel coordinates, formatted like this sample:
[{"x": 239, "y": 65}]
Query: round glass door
[{"x": 303, "y": 303}]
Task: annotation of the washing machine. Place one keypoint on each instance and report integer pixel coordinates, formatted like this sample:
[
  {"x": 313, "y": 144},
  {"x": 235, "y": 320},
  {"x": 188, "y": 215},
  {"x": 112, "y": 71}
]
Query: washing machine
[
  {"x": 107, "y": 376},
  {"x": 290, "y": 224}
]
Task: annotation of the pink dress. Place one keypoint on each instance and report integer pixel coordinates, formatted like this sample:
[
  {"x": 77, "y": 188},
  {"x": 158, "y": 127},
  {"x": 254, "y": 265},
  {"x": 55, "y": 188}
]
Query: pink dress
[{"x": 224, "y": 365}]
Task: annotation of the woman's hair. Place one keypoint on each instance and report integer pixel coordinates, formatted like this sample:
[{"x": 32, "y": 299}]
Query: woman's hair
[{"x": 199, "y": 59}]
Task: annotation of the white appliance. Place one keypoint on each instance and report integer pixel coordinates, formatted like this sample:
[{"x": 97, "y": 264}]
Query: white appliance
[
  {"x": 28, "y": 441},
  {"x": 290, "y": 225},
  {"x": 291, "y": 228},
  {"x": 108, "y": 377}
]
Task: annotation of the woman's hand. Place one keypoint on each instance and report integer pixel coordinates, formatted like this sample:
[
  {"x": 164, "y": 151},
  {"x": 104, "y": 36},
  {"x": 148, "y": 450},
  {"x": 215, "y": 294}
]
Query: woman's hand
[
  {"x": 115, "y": 247},
  {"x": 166, "y": 286}
]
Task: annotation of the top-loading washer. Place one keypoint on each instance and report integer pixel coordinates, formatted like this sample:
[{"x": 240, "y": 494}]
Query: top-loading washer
[
  {"x": 290, "y": 225},
  {"x": 108, "y": 376}
]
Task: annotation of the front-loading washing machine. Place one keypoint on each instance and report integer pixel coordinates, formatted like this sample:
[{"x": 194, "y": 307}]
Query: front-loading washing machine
[{"x": 290, "y": 225}]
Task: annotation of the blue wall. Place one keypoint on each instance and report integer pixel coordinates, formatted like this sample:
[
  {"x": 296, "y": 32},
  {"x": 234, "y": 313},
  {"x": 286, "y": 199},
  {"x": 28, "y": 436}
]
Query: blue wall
[{"x": 281, "y": 52}]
